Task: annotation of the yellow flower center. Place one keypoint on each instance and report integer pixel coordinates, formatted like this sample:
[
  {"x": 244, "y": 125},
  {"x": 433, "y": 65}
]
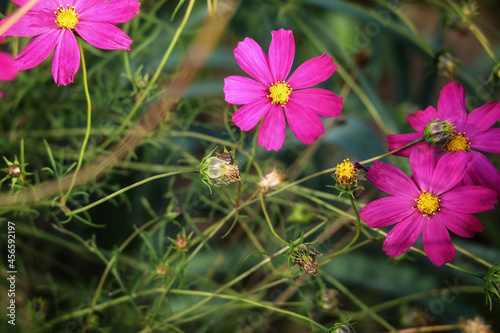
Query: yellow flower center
[
  {"x": 458, "y": 142},
  {"x": 66, "y": 17},
  {"x": 345, "y": 172},
  {"x": 427, "y": 203},
  {"x": 279, "y": 92}
]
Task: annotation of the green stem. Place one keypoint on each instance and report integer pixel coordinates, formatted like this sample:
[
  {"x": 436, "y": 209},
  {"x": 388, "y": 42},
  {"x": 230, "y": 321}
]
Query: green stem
[
  {"x": 358, "y": 231},
  {"x": 146, "y": 91},
  {"x": 358, "y": 302},
  {"x": 263, "y": 204},
  {"x": 89, "y": 120},
  {"x": 114, "y": 194}
]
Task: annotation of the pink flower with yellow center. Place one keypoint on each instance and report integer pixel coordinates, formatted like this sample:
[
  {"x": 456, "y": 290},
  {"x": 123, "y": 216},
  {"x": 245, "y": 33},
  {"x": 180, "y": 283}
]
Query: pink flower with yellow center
[
  {"x": 56, "y": 23},
  {"x": 7, "y": 70},
  {"x": 430, "y": 203},
  {"x": 471, "y": 132},
  {"x": 271, "y": 96}
]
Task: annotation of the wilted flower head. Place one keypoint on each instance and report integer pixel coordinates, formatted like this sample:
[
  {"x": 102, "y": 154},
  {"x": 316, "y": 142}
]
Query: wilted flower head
[
  {"x": 272, "y": 179},
  {"x": 327, "y": 299},
  {"x": 305, "y": 256},
  {"x": 476, "y": 325},
  {"x": 57, "y": 23},
  {"x": 219, "y": 169}
]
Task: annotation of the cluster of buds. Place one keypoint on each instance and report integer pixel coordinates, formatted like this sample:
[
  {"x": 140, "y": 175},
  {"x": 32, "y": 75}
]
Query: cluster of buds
[
  {"x": 304, "y": 255},
  {"x": 15, "y": 171},
  {"x": 219, "y": 169},
  {"x": 346, "y": 178}
]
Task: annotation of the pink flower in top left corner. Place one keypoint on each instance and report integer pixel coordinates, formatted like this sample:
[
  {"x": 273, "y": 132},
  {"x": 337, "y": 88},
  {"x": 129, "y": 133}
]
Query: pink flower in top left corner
[
  {"x": 56, "y": 23},
  {"x": 271, "y": 96}
]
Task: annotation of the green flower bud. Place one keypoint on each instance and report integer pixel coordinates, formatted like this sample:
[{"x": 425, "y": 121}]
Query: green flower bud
[
  {"x": 492, "y": 284},
  {"x": 439, "y": 132},
  {"x": 219, "y": 169}
]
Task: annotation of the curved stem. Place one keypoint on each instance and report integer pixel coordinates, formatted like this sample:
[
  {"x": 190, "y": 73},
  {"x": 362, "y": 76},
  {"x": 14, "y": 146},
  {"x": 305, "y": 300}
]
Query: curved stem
[
  {"x": 89, "y": 120},
  {"x": 114, "y": 194},
  {"x": 358, "y": 231},
  {"x": 263, "y": 204}
]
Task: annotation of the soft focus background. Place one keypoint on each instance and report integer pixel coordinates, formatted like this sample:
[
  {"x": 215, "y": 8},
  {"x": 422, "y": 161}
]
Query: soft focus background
[{"x": 120, "y": 257}]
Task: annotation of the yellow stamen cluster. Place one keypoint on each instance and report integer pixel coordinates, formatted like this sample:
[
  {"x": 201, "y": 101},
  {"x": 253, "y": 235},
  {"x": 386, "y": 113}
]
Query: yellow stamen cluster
[
  {"x": 427, "y": 203},
  {"x": 67, "y": 18},
  {"x": 458, "y": 142},
  {"x": 345, "y": 172},
  {"x": 279, "y": 92}
]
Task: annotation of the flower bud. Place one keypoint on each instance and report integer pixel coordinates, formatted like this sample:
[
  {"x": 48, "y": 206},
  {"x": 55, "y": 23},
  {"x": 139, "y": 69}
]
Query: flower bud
[
  {"x": 439, "y": 132},
  {"x": 492, "y": 284},
  {"x": 447, "y": 64},
  {"x": 347, "y": 176},
  {"x": 14, "y": 170},
  {"x": 161, "y": 270},
  {"x": 181, "y": 242},
  {"x": 305, "y": 256}
]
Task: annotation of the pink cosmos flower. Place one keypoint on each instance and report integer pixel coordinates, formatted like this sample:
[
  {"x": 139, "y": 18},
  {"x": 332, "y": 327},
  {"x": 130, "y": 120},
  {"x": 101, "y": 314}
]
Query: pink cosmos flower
[
  {"x": 58, "y": 22},
  {"x": 471, "y": 132},
  {"x": 7, "y": 69},
  {"x": 271, "y": 93},
  {"x": 428, "y": 203}
]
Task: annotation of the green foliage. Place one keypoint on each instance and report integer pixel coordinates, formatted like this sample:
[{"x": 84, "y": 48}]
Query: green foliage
[{"x": 115, "y": 265}]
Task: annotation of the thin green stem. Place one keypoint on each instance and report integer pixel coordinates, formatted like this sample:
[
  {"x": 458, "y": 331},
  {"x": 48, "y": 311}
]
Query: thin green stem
[
  {"x": 358, "y": 302},
  {"x": 266, "y": 215},
  {"x": 114, "y": 194},
  {"x": 358, "y": 231},
  {"x": 473, "y": 256},
  {"x": 89, "y": 121},
  {"x": 146, "y": 91}
]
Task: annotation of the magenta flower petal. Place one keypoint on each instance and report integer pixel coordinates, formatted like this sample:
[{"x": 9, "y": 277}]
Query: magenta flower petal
[
  {"x": 38, "y": 49},
  {"x": 422, "y": 163},
  {"x": 469, "y": 199},
  {"x": 481, "y": 119},
  {"x": 391, "y": 180},
  {"x": 304, "y": 123},
  {"x": 312, "y": 72},
  {"x": 421, "y": 118},
  {"x": 249, "y": 115},
  {"x": 395, "y": 141},
  {"x": 111, "y": 11},
  {"x": 39, "y": 6},
  {"x": 7, "y": 70},
  {"x": 323, "y": 102},
  {"x": 482, "y": 172},
  {"x": 242, "y": 90},
  {"x": 450, "y": 169},
  {"x": 273, "y": 129},
  {"x": 488, "y": 141},
  {"x": 31, "y": 24},
  {"x": 386, "y": 211},
  {"x": 437, "y": 243},
  {"x": 451, "y": 105},
  {"x": 281, "y": 53},
  {"x": 403, "y": 235},
  {"x": 83, "y": 5},
  {"x": 66, "y": 58},
  {"x": 103, "y": 35},
  {"x": 253, "y": 61},
  {"x": 461, "y": 224}
]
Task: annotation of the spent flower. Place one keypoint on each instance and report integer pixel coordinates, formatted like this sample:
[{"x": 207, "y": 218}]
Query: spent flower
[
  {"x": 271, "y": 180},
  {"x": 430, "y": 203},
  {"x": 271, "y": 96},
  {"x": 15, "y": 171},
  {"x": 219, "y": 169},
  {"x": 304, "y": 255},
  {"x": 57, "y": 23}
]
